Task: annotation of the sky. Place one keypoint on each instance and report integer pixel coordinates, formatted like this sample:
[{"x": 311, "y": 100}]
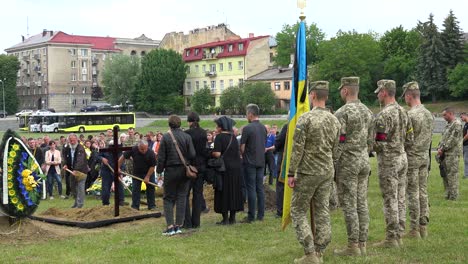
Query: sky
[{"x": 155, "y": 18}]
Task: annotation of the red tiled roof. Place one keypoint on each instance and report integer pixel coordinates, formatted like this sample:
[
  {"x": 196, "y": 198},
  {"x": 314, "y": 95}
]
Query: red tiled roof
[
  {"x": 100, "y": 43},
  {"x": 225, "y": 43}
]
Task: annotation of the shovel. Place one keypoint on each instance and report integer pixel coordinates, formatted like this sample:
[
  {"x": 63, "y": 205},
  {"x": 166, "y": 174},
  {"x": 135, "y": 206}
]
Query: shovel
[
  {"x": 79, "y": 176},
  {"x": 125, "y": 186}
]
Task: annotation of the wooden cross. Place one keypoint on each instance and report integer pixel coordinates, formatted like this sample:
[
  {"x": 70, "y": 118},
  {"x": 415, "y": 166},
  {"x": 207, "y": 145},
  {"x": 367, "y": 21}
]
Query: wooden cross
[{"x": 115, "y": 152}]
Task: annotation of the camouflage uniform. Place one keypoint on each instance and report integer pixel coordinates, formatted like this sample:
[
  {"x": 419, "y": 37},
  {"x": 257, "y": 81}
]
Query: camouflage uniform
[
  {"x": 393, "y": 129},
  {"x": 130, "y": 142},
  {"x": 451, "y": 144},
  {"x": 353, "y": 168},
  {"x": 418, "y": 162},
  {"x": 315, "y": 140}
]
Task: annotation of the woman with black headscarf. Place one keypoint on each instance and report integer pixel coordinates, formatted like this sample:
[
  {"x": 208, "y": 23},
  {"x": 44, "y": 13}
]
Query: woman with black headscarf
[{"x": 229, "y": 199}]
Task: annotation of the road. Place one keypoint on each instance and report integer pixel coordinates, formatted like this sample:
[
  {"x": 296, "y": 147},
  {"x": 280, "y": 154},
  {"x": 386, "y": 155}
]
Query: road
[{"x": 11, "y": 122}]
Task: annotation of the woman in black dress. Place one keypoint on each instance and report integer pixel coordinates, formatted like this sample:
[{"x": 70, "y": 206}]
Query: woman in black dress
[{"x": 229, "y": 198}]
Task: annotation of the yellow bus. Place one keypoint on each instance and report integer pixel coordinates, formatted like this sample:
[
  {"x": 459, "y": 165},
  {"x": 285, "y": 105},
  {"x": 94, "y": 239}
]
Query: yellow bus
[{"x": 94, "y": 121}]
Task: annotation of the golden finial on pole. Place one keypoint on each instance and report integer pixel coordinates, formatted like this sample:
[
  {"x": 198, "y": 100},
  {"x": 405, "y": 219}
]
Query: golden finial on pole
[{"x": 301, "y": 4}]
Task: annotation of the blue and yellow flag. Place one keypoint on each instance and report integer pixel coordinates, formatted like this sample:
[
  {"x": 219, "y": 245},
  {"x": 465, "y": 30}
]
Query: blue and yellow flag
[{"x": 299, "y": 104}]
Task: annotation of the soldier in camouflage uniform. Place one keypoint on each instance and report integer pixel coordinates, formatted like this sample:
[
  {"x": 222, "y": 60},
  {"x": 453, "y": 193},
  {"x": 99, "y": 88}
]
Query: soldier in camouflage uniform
[
  {"x": 311, "y": 172},
  {"x": 418, "y": 161},
  {"x": 352, "y": 165},
  {"x": 393, "y": 130},
  {"x": 130, "y": 142},
  {"x": 450, "y": 147}
]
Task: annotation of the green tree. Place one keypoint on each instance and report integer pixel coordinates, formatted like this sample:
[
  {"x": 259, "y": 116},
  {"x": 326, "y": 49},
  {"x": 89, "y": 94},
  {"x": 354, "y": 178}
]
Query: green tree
[
  {"x": 231, "y": 100},
  {"x": 162, "y": 78},
  {"x": 286, "y": 40},
  {"x": 458, "y": 80},
  {"x": 202, "y": 101},
  {"x": 452, "y": 38},
  {"x": 9, "y": 66},
  {"x": 430, "y": 69},
  {"x": 259, "y": 93},
  {"x": 120, "y": 78},
  {"x": 349, "y": 54},
  {"x": 400, "y": 53}
]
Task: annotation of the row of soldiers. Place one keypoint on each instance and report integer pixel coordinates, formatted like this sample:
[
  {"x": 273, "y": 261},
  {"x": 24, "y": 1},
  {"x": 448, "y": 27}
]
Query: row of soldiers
[{"x": 327, "y": 144}]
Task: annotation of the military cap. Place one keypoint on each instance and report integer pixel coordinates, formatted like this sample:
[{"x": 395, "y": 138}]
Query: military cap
[
  {"x": 385, "y": 84},
  {"x": 410, "y": 86},
  {"x": 318, "y": 85},
  {"x": 349, "y": 81}
]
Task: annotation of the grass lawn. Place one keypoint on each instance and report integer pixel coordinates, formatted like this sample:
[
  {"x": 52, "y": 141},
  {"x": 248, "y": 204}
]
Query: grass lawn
[{"x": 260, "y": 242}]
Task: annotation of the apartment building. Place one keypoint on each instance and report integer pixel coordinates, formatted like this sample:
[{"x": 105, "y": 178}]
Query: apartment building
[
  {"x": 280, "y": 80},
  {"x": 61, "y": 71},
  {"x": 222, "y": 64}
]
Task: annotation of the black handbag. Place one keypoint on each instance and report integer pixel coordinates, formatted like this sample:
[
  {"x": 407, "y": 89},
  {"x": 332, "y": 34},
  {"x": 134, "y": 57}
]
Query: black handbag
[{"x": 218, "y": 163}]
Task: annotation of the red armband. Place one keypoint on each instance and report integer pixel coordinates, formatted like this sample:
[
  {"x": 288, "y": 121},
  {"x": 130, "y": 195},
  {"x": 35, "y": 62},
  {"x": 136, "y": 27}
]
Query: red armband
[
  {"x": 381, "y": 136},
  {"x": 342, "y": 138}
]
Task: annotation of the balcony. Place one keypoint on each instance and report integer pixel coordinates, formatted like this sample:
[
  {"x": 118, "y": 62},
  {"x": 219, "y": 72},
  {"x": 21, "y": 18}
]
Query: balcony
[
  {"x": 38, "y": 83},
  {"x": 95, "y": 72},
  {"x": 94, "y": 60},
  {"x": 26, "y": 57},
  {"x": 37, "y": 69},
  {"x": 27, "y": 84},
  {"x": 95, "y": 84},
  {"x": 210, "y": 56},
  {"x": 37, "y": 57},
  {"x": 210, "y": 74}
]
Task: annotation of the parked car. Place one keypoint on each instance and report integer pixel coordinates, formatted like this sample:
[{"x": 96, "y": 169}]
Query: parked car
[
  {"x": 3, "y": 114},
  {"x": 42, "y": 111},
  {"x": 89, "y": 108},
  {"x": 24, "y": 112},
  {"x": 105, "y": 107}
]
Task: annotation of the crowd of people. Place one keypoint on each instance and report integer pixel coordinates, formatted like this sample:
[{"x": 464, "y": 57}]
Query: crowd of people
[{"x": 330, "y": 152}]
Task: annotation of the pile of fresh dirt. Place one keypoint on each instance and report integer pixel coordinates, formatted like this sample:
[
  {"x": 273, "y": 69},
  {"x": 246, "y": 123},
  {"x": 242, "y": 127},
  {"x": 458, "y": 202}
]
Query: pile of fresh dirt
[
  {"x": 270, "y": 198},
  {"x": 24, "y": 230},
  {"x": 90, "y": 214}
]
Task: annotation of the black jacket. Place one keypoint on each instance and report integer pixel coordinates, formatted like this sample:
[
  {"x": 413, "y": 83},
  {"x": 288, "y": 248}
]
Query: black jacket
[
  {"x": 281, "y": 139},
  {"x": 167, "y": 155},
  {"x": 199, "y": 140}
]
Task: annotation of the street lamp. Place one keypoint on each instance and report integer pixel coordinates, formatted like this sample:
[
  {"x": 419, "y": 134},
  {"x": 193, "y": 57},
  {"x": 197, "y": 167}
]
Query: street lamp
[{"x": 3, "y": 92}]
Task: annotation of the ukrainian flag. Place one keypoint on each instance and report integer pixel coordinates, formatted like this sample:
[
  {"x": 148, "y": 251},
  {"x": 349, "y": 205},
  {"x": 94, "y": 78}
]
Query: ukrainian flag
[{"x": 299, "y": 104}]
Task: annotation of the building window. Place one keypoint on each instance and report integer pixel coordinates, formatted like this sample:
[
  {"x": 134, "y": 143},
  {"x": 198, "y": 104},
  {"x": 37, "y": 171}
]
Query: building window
[
  {"x": 84, "y": 64},
  {"x": 73, "y": 52},
  {"x": 221, "y": 67},
  {"x": 287, "y": 85},
  {"x": 241, "y": 46},
  {"x": 197, "y": 68},
  {"x": 205, "y": 84},
  {"x": 277, "y": 86},
  {"x": 73, "y": 77},
  {"x": 197, "y": 85},
  {"x": 271, "y": 57},
  {"x": 188, "y": 69},
  {"x": 196, "y": 52},
  {"x": 44, "y": 51},
  {"x": 221, "y": 49},
  {"x": 84, "y": 77},
  {"x": 74, "y": 102},
  {"x": 188, "y": 87},
  {"x": 73, "y": 64},
  {"x": 187, "y": 53},
  {"x": 84, "y": 90},
  {"x": 84, "y": 52},
  {"x": 240, "y": 65},
  {"x": 230, "y": 47},
  {"x": 212, "y": 67},
  {"x": 241, "y": 82},
  {"x": 213, "y": 86},
  {"x": 229, "y": 66},
  {"x": 231, "y": 82},
  {"x": 221, "y": 85},
  {"x": 72, "y": 90},
  {"x": 203, "y": 68}
]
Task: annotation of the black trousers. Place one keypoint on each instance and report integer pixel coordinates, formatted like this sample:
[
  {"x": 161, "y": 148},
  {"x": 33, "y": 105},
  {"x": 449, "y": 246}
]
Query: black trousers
[
  {"x": 176, "y": 186},
  {"x": 279, "y": 186},
  {"x": 192, "y": 217},
  {"x": 270, "y": 163}
]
